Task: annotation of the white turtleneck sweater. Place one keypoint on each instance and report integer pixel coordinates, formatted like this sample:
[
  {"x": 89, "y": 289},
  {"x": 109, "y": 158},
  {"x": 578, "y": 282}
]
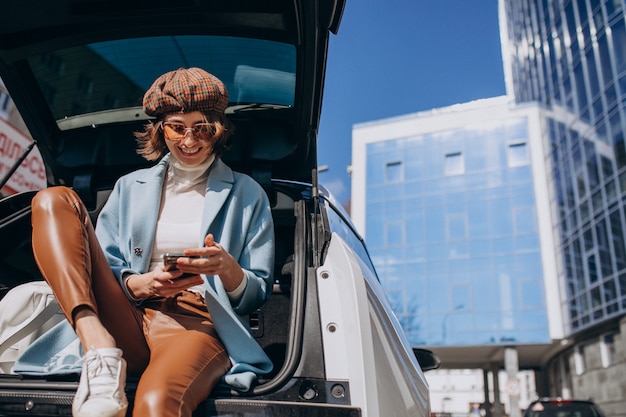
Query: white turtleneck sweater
[{"x": 180, "y": 214}]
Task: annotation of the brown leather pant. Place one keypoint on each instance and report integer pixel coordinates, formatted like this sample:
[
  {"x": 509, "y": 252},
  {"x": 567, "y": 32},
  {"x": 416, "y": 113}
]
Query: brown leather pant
[{"x": 170, "y": 342}]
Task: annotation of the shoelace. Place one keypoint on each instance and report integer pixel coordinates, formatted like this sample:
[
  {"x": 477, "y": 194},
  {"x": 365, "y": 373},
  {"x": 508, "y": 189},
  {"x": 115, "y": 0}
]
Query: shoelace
[{"x": 102, "y": 375}]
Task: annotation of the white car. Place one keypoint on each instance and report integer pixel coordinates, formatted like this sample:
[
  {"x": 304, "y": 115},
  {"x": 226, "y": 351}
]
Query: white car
[{"x": 77, "y": 69}]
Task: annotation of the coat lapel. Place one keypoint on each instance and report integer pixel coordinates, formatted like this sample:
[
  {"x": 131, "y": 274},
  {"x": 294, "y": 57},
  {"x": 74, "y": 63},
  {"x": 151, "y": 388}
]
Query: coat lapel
[{"x": 219, "y": 186}]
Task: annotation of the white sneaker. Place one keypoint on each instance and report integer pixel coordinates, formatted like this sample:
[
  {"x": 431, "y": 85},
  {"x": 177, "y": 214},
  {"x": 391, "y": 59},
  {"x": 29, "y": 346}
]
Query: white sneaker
[{"x": 100, "y": 391}]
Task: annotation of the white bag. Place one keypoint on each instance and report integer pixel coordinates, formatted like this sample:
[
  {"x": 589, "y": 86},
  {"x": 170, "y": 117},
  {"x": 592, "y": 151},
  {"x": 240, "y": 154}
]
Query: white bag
[{"x": 26, "y": 312}]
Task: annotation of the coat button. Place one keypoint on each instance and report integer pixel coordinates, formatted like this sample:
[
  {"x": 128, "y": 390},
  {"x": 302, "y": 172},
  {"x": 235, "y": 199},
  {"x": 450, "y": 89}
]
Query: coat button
[{"x": 138, "y": 251}]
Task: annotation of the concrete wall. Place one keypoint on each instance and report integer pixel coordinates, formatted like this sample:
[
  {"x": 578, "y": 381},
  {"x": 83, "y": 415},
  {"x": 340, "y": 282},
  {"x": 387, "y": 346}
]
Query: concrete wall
[{"x": 583, "y": 372}]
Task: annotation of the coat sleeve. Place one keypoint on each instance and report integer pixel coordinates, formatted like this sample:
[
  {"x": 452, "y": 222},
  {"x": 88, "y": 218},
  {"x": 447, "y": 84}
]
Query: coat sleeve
[
  {"x": 257, "y": 255},
  {"x": 107, "y": 230}
]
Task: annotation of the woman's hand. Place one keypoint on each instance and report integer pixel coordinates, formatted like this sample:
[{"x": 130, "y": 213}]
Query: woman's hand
[
  {"x": 159, "y": 282},
  {"x": 213, "y": 260}
]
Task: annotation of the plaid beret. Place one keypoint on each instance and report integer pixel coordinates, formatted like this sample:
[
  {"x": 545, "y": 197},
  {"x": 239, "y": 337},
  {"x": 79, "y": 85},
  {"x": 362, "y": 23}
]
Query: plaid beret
[{"x": 185, "y": 90}]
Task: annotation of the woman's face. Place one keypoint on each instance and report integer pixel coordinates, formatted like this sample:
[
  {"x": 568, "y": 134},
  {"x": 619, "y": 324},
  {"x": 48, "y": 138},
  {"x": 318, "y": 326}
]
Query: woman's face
[{"x": 190, "y": 150}]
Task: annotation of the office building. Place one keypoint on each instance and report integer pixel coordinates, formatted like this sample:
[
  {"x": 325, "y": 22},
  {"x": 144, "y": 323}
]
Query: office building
[
  {"x": 454, "y": 206},
  {"x": 570, "y": 57}
]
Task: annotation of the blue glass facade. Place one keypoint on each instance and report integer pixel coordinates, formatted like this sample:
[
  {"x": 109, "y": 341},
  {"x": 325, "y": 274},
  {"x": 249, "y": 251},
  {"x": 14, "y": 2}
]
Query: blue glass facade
[
  {"x": 451, "y": 224},
  {"x": 501, "y": 230},
  {"x": 570, "y": 56}
]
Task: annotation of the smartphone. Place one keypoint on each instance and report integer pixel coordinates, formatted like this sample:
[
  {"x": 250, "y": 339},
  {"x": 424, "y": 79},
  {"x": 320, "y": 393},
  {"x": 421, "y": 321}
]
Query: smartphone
[{"x": 169, "y": 262}]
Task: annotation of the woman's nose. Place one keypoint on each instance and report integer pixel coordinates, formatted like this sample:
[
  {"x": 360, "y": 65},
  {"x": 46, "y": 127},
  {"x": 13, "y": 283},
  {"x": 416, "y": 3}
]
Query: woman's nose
[{"x": 189, "y": 138}]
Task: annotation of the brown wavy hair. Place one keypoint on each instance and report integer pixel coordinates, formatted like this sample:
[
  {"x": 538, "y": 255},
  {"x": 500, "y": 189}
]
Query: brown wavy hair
[{"x": 151, "y": 142}]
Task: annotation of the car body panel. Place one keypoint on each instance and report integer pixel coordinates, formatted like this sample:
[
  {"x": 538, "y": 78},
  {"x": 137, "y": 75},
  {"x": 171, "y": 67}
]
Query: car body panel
[
  {"x": 345, "y": 324},
  {"x": 363, "y": 341}
]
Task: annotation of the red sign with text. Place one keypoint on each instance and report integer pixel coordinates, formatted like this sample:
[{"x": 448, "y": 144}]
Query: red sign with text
[{"x": 31, "y": 175}]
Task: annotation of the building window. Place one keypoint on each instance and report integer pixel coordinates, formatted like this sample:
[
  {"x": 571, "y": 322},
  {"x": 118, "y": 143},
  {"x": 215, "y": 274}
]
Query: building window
[
  {"x": 592, "y": 268},
  {"x": 607, "y": 350},
  {"x": 393, "y": 171},
  {"x": 395, "y": 234},
  {"x": 457, "y": 226},
  {"x": 524, "y": 220},
  {"x": 454, "y": 163},
  {"x": 532, "y": 296},
  {"x": 517, "y": 154},
  {"x": 460, "y": 297}
]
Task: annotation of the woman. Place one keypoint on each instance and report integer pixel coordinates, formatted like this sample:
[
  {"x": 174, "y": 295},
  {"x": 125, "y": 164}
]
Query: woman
[{"x": 129, "y": 311}]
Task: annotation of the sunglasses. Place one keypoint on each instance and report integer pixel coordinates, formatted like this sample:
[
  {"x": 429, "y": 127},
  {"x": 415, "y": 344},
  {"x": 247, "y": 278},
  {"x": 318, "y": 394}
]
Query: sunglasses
[{"x": 176, "y": 131}]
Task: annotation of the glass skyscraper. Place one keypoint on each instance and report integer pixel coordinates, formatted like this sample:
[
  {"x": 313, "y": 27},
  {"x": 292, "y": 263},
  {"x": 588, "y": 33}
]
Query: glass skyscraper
[{"x": 570, "y": 56}]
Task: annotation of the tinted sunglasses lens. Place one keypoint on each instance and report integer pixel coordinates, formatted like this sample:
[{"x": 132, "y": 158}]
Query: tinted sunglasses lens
[
  {"x": 204, "y": 131},
  {"x": 173, "y": 131}
]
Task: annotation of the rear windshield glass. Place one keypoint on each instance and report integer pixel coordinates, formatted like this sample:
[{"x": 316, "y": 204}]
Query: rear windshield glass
[{"x": 112, "y": 75}]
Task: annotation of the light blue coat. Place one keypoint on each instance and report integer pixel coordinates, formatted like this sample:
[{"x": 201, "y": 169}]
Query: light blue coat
[{"x": 237, "y": 213}]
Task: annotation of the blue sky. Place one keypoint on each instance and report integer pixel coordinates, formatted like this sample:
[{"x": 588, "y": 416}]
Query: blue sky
[{"x": 397, "y": 57}]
